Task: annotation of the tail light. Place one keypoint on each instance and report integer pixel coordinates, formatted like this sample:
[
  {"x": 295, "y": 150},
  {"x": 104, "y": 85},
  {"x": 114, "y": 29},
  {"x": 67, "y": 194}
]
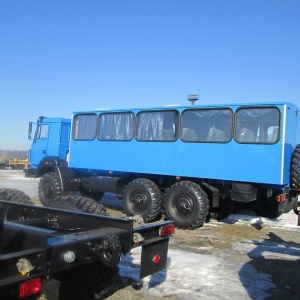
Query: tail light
[
  {"x": 167, "y": 230},
  {"x": 156, "y": 259},
  {"x": 30, "y": 287},
  {"x": 281, "y": 198}
]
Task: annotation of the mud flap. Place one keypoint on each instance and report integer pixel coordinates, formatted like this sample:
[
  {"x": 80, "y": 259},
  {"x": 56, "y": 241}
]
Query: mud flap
[{"x": 154, "y": 257}]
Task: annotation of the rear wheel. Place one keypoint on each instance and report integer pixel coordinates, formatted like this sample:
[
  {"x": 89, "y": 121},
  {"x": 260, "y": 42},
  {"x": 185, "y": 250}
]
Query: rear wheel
[
  {"x": 142, "y": 197},
  {"x": 295, "y": 168},
  {"x": 226, "y": 207},
  {"x": 186, "y": 204}
]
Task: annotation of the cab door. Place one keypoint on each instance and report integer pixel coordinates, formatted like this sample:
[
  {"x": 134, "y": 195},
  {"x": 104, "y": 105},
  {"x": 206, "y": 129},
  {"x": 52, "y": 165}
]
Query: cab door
[
  {"x": 39, "y": 145},
  {"x": 64, "y": 140}
]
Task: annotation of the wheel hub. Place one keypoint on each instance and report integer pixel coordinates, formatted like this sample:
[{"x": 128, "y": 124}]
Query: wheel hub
[
  {"x": 48, "y": 190},
  {"x": 183, "y": 205},
  {"x": 139, "y": 200}
]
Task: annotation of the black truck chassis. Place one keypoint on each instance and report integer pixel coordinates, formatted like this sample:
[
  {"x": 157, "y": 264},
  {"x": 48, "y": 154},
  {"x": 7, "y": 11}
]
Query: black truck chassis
[{"x": 39, "y": 243}]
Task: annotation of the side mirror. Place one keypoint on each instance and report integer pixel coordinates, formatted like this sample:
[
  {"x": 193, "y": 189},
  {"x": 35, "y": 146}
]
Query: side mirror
[{"x": 30, "y": 131}]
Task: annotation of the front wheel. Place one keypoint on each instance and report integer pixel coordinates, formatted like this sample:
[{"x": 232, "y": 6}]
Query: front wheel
[
  {"x": 186, "y": 204},
  {"x": 142, "y": 197},
  {"x": 49, "y": 188}
]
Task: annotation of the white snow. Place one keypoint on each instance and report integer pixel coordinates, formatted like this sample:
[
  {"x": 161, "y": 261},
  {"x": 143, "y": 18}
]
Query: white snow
[{"x": 196, "y": 276}]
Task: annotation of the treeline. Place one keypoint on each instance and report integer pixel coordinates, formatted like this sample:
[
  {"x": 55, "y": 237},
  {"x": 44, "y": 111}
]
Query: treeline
[{"x": 13, "y": 154}]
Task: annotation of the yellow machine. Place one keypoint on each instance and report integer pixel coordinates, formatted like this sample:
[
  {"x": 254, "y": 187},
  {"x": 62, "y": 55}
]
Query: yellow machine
[{"x": 18, "y": 163}]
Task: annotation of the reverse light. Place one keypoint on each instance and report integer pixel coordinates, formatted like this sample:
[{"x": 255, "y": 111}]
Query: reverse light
[
  {"x": 30, "y": 287},
  {"x": 167, "y": 230}
]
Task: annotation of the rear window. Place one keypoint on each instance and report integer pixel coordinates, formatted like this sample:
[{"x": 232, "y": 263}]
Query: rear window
[
  {"x": 84, "y": 127},
  {"x": 257, "y": 125}
]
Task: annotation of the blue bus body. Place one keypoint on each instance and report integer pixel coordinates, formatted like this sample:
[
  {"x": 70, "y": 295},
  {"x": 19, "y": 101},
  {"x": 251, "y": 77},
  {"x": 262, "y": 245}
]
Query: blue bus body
[{"x": 266, "y": 164}]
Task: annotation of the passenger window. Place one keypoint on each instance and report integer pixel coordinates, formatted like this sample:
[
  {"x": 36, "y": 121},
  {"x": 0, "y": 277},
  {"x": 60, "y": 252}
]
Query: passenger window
[
  {"x": 84, "y": 127},
  {"x": 257, "y": 125},
  {"x": 207, "y": 125},
  {"x": 157, "y": 126},
  {"x": 116, "y": 127}
]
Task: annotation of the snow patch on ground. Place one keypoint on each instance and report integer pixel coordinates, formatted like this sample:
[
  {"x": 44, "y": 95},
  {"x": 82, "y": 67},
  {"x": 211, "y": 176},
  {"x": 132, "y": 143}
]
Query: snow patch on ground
[{"x": 196, "y": 276}]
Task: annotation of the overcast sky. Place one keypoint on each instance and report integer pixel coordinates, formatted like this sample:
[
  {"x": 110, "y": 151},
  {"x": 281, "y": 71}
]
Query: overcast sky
[{"x": 60, "y": 56}]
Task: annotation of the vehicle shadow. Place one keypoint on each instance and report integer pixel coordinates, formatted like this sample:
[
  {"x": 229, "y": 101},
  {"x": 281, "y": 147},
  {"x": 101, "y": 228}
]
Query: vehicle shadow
[{"x": 273, "y": 271}]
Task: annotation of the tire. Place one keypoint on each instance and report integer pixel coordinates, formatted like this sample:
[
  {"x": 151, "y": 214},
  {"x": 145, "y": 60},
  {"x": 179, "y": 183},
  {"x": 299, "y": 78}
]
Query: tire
[
  {"x": 295, "y": 168},
  {"x": 80, "y": 203},
  {"x": 238, "y": 206},
  {"x": 15, "y": 195},
  {"x": 91, "y": 281},
  {"x": 49, "y": 188},
  {"x": 268, "y": 207},
  {"x": 186, "y": 204},
  {"x": 92, "y": 194},
  {"x": 142, "y": 197},
  {"x": 226, "y": 207}
]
